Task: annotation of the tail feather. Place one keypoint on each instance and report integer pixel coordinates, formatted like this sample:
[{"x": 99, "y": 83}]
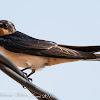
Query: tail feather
[
  {"x": 97, "y": 56},
  {"x": 83, "y": 48}
]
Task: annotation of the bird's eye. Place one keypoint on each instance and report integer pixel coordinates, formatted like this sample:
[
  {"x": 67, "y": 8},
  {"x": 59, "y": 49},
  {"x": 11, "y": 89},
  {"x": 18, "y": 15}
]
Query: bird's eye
[{"x": 5, "y": 26}]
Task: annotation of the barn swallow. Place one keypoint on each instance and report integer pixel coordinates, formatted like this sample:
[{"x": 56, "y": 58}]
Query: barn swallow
[{"x": 25, "y": 51}]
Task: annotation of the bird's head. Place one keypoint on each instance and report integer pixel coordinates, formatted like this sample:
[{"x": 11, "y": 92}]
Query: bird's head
[{"x": 6, "y": 27}]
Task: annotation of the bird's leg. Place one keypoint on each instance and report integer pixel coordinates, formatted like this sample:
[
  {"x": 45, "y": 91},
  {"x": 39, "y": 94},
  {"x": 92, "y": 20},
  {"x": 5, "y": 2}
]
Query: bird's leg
[
  {"x": 33, "y": 71},
  {"x": 26, "y": 68},
  {"x": 29, "y": 79},
  {"x": 29, "y": 66}
]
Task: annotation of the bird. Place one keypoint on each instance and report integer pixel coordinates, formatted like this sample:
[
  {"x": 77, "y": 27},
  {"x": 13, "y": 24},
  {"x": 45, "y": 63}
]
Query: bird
[{"x": 32, "y": 53}]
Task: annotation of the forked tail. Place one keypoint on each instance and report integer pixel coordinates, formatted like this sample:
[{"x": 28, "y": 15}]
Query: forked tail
[
  {"x": 83, "y": 48},
  {"x": 90, "y": 49},
  {"x": 97, "y": 56}
]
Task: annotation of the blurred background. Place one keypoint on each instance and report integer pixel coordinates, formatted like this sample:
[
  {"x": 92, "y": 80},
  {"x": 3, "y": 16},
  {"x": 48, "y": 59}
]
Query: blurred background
[{"x": 70, "y": 22}]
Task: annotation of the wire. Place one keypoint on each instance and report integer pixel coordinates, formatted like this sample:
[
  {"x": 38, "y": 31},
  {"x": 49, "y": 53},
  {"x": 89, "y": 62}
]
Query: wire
[{"x": 14, "y": 72}]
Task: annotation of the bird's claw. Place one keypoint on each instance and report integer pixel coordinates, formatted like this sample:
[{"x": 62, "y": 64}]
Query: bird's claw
[
  {"x": 25, "y": 74},
  {"x": 27, "y": 77},
  {"x": 30, "y": 79},
  {"x": 24, "y": 87}
]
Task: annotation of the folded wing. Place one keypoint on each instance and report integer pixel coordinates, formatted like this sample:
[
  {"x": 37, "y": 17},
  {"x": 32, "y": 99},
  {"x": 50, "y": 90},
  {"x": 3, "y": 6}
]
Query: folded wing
[{"x": 21, "y": 43}]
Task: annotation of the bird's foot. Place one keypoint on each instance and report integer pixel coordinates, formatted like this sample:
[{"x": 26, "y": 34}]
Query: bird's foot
[
  {"x": 32, "y": 72},
  {"x": 29, "y": 79},
  {"x": 26, "y": 68},
  {"x": 27, "y": 76}
]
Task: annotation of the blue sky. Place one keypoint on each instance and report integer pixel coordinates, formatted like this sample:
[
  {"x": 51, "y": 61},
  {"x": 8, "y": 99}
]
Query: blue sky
[{"x": 70, "y": 22}]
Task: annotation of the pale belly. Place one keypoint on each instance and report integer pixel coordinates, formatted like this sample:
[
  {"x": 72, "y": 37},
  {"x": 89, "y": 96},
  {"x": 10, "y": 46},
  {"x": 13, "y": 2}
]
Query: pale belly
[{"x": 37, "y": 62}]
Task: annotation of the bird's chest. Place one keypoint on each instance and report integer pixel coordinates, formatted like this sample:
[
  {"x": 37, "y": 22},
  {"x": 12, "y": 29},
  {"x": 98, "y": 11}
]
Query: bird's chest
[{"x": 25, "y": 60}]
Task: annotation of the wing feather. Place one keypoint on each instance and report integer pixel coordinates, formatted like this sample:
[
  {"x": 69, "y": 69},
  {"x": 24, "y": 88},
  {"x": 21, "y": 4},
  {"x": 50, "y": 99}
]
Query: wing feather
[
  {"x": 83, "y": 48},
  {"x": 21, "y": 43},
  {"x": 61, "y": 52}
]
